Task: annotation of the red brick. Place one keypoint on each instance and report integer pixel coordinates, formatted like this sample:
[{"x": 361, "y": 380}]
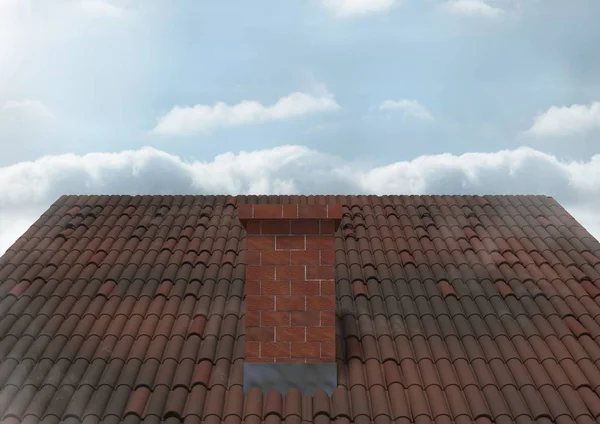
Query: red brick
[
  {"x": 305, "y": 226},
  {"x": 304, "y": 257},
  {"x": 290, "y": 303},
  {"x": 245, "y": 212},
  {"x": 327, "y": 257},
  {"x": 251, "y": 349},
  {"x": 320, "y": 303},
  {"x": 334, "y": 211},
  {"x": 260, "y": 334},
  {"x": 320, "y": 334},
  {"x": 252, "y": 227},
  {"x": 312, "y": 211},
  {"x": 328, "y": 350},
  {"x": 305, "y": 349},
  {"x": 289, "y": 242},
  {"x": 267, "y": 211},
  {"x": 327, "y": 288},
  {"x": 290, "y": 334},
  {"x": 274, "y": 349},
  {"x": 275, "y": 257},
  {"x": 272, "y": 288},
  {"x": 305, "y": 288},
  {"x": 252, "y": 287},
  {"x": 320, "y": 272},
  {"x": 260, "y": 243},
  {"x": 252, "y": 257},
  {"x": 327, "y": 318},
  {"x": 275, "y": 319},
  {"x": 260, "y": 303},
  {"x": 290, "y": 211},
  {"x": 320, "y": 242},
  {"x": 290, "y": 272},
  {"x": 252, "y": 318},
  {"x": 305, "y": 319},
  {"x": 281, "y": 226},
  {"x": 328, "y": 227},
  {"x": 260, "y": 272}
]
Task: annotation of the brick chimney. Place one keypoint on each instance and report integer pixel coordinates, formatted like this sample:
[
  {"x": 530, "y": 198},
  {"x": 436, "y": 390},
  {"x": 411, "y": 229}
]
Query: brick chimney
[{"x": 290, "y": 296}]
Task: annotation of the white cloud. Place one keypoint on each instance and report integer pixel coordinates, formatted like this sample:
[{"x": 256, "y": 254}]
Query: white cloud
[
  {"x": 567, "y": 121},
  {"x": 354, "y": 8},
  {"x": 100, "y": 8},
  {"x": 33, "y": 32},
  {"x": 410, "y": 107},
  {"x": 27, "y": 189},
  {"x": 477, "y": 8},
  {"x": 31, "y": 108},
  {"x": 205, "y": 118}
]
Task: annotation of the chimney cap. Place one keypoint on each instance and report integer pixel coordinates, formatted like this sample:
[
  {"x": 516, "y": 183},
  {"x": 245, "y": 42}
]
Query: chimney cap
[{"x": 290, "y": 211}]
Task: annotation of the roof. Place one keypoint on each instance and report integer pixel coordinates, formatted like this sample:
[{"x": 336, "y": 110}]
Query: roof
[{"x": 451, "y": 309}]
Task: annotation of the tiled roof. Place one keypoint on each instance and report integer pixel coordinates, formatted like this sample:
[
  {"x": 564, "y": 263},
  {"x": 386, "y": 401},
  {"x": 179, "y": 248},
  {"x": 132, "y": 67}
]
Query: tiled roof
[{"x": 452, "y": 309}]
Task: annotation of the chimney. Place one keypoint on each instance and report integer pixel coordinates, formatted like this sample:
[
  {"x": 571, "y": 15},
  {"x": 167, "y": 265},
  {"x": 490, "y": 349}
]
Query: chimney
[{"x": 290, "y": 297}]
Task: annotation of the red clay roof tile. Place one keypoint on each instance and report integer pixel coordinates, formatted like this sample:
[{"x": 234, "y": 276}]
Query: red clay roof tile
[{"x": 481, "y": 308}]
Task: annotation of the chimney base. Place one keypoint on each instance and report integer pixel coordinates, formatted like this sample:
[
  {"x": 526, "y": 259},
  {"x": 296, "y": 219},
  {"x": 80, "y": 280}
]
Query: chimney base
[{"x": 307, "y": 377}]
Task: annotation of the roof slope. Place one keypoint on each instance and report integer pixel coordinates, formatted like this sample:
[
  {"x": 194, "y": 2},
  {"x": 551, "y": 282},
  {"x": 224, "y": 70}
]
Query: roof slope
[{"x": 451, "y": 309}]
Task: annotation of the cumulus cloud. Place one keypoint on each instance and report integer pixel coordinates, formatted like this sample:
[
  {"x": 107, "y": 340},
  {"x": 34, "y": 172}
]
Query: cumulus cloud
[
  {"x": 27, "y": 189},
  {"x": 560, "y": 121},
  {"x": 100, "y": 8},
  {"x": 409, "y": 107},
  {"x": 205, "y": 118},
  {"x": 475, "y": 8},
  {"x": 354, "y": 8},
  {"x": 30, "y": 108}
]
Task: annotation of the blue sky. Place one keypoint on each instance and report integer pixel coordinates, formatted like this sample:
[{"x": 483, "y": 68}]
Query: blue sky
[{"x": 380, "y": 96}]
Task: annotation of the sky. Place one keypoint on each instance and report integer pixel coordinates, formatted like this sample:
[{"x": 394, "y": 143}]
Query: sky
[{"x": 298, "y": 97}]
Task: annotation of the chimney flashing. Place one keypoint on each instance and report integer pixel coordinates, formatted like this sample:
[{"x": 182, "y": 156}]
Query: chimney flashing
[{"x": 308, "y": 378}]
